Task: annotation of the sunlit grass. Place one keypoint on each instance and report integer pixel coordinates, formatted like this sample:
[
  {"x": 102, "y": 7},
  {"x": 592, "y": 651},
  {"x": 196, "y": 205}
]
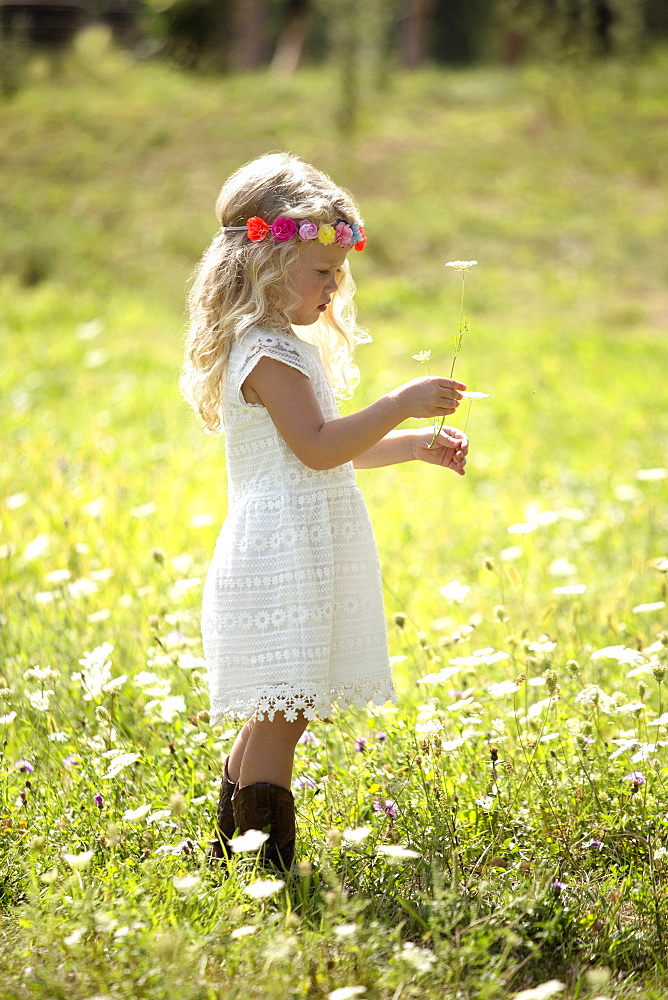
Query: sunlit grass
[{"x": 505, "y": 825}]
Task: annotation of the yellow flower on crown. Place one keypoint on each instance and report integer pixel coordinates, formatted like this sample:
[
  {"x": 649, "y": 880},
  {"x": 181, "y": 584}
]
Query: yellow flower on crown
[{"x": 326, "y": 234}]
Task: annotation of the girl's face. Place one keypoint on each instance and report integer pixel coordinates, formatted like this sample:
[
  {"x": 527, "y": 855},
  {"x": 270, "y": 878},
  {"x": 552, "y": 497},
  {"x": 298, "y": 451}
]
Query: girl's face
[{"x": 316, "y": 277}]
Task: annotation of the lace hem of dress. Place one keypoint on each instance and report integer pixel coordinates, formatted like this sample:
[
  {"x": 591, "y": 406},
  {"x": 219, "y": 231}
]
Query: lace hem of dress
[{"x": 291, "y": 700}]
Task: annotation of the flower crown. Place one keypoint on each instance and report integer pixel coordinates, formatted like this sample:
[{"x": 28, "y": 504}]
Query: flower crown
[{"x": 342, "y": 233}]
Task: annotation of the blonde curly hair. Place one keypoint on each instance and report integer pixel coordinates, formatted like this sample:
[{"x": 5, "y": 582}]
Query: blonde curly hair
[{"x": 239, "y": 284}]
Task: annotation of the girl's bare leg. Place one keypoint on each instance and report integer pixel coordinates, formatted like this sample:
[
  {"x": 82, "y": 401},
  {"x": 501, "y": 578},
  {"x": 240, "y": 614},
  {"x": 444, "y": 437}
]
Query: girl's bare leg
[
  {"x": 269, "y": 751},
  {"x": 237, "y": 751}
]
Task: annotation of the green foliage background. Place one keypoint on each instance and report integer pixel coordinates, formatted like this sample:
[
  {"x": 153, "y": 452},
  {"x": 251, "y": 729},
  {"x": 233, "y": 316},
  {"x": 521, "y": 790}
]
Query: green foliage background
[{"x": 554, "y": 180}]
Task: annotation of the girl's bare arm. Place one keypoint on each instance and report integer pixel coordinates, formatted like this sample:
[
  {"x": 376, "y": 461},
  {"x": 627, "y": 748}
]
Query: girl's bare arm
[
  {"x": 449, "y": 450},
  {"x": 293, "y": 406}
]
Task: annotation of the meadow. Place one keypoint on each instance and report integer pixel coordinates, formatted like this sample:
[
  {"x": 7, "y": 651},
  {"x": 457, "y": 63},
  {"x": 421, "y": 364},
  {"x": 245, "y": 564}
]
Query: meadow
[{"x": 502, "y": 832}]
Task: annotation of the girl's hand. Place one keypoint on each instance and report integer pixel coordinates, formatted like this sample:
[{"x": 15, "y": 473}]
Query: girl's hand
[
  {"x": 432, "y": 396},
  {"x": 448, "y": 450}
]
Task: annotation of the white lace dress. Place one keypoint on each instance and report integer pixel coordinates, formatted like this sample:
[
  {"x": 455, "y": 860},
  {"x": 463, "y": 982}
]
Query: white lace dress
[{"x": 292, "y": 615}]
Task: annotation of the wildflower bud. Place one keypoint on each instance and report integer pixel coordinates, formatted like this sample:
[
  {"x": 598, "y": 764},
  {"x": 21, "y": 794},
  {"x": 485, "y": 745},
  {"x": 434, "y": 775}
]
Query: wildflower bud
[
  {"x": 551, "y": 678},
  {"x": 573, "y": 667},
  {"x": 659, "y": 672},
  {"x": 153, "y": 621},
  {"x": 330, "y": 898},
  {"x": 663, "y": 637},
  {"x": 400, "y": 619},
  {"x": 158, "y": 556},
  {"x": 494, "y": 754},
  {"x": 178, "y": 804},
  {"x": 642, "y": 689},
  {"x": 422, "y": 639},
  {"x": 203, "y": 716},
  {"x": 37, "y": 843},
  {"x": 305, "y": 868},
  {"x": 520, "y": 679},
  {"x": 501, "y": 614},
  {"x": 334, "y": 836},
  {"x": 101, "y": 714},
  {"x": 489, "y": 564}
]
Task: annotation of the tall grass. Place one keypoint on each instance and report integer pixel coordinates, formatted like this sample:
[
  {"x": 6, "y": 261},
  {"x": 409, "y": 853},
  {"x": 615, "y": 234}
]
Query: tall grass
[{"x": 520, "y": 784}]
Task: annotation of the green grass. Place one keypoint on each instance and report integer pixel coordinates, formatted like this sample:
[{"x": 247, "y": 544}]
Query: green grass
[{"x": 554, "y": 181}]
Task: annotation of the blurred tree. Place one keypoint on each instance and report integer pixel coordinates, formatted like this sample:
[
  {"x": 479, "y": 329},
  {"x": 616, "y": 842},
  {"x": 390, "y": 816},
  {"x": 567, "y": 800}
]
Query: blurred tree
[
  {"x": 249, "y": 24},
  {"x": 568, "y": 29},
  {"x": 415, "y": 22},
  {"x": 292, "y": 38}
]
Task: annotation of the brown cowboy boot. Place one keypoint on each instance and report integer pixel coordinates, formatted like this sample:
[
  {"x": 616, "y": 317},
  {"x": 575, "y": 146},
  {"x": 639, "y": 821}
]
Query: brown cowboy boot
[
  {"x": 270, "y": 808},
  {"x": 225, "y": 823}
]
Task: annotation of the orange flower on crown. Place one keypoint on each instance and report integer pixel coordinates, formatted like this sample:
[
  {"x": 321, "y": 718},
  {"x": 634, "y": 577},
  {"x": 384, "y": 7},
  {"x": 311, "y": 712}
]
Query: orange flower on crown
[
  {"x": 361, "y": 243},
  {"x": 257, "y": 229}
]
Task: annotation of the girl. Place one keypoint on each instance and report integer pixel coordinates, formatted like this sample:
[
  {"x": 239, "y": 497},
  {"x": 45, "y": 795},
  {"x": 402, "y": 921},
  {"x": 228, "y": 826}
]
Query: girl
[{"x": 292, "y": 616}]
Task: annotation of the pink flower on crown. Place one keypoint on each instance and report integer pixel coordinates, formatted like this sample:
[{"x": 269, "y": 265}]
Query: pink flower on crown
[
  {"x": 284, "y": 229},
  {"x": 344, "y": 234},
  {"x": 307, "y": 230}
]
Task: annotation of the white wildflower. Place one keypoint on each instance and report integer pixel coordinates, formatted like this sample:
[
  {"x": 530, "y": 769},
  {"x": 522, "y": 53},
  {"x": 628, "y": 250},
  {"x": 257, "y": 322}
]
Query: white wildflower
[
  {"x": 542, "y": 992},
  {"x": 422, "y": 356},
  {"x": 263, "y": 888},
  {"x": 119, "y": 762},
  {"x": 442, "y": 675},
  {"x": 356, "y": 835},
  {"x": 16, "y": 500},
  {"x": 137, "y": 813},
  {"x": 574, "y": 588},
  {"x": 542, "y": 646},
  {"x": 654, "y": 606},
  {"x": 74, "y": 937},
  {"x": 511, "y": 552},
  {"x": 475, "y": 395},
  {"x": 396, "y": 851},
  {"x": 562, "y": 567},
  {"x": 6, "y": 719},
  {"x": 96, "y": 671},
  {"x": 58, "y": 576},
  {"x": 427, "y": 727},
  {"x": 38, "y": 673},
  {"x": 158, "y": 815},
  {"x": 143, "y": 510},
  {"x": 523, "y": 528},
  {"x": 36, "y": 548},
  {"x": 185, "y": 882},
  {"x": 251, "y": 840},
  {"x": 202, "y": 520},
  {"x": 647, "y": 475},
  {"x": 421, "y": 959},
  {"x": 623, "y": 654},
  {"x": 449, "y": 746},
  {"x": 461, "y": 265},
  {"x": 82, "y": 588},
  {"x": 592, "y": 696},
  {"x": 171, "y": 706},
  {"x": 244, "y": 931},
  {"x": 78, "y": 861},
  {"x": 455, "y": 592},
  {"x": 94, "y": 507},
  {"x": 347, "y": 993},
  {"x": 503, "y": 688},
  {"x": 98, "y": 616},
  {"x": 40, "y": 700},
  {"x": 347, "y": 930}
]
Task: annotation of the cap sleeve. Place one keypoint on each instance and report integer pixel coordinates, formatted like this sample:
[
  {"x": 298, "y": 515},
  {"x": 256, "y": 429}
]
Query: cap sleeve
[{"x": 267, "y": 345}]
